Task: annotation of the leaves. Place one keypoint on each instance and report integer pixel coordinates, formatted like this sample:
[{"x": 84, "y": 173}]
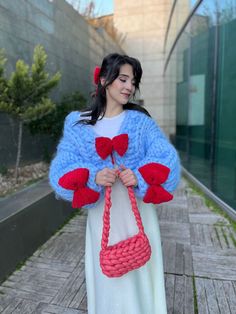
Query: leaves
[
  {"x": 39, "y": 110},
  {"x": 25, "y": 93},
  {"x": 37, "y": 68},
  {"x": 3, "y": 60},
  {"x": 19, "y": 84},
  {"x": 52, "y": 124},
  {"x": 3, "y": 81}
]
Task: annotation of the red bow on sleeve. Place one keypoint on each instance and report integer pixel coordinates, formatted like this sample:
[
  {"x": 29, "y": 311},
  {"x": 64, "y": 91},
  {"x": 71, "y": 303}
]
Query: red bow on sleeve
[
  {"x": 105, "y": 145},
  {"x": 76, "y": 180},
  {"x": 155, "y": 174}
]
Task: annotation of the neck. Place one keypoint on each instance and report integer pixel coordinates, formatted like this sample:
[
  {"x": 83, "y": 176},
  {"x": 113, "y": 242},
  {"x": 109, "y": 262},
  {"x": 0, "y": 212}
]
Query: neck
[{"x": 112, "y": 111}]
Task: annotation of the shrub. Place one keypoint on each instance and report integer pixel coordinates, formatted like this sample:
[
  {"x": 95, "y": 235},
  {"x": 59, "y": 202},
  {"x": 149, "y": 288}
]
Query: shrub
[{"x": 52, "y": 124}]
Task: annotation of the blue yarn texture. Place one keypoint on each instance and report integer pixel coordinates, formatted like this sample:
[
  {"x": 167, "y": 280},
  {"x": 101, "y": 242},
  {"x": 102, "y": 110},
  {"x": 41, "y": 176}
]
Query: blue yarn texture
[{"x": 147, "y": 143}]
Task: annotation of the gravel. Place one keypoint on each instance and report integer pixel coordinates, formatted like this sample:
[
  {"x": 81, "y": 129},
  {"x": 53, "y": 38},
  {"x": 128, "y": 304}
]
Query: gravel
[{"x": 27, "y": 175}]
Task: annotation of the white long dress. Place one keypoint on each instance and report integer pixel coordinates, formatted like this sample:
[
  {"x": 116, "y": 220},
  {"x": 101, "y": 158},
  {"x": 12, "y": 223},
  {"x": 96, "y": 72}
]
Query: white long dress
[{"x": 140, "y": 291}]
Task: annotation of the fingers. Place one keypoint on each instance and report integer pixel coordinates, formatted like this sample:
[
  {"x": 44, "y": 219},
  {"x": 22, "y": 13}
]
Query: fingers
[
  {"x": 106, "y": 177},
  {"x": 128, "y": 178},
  {"x": 109, "y": 178}
]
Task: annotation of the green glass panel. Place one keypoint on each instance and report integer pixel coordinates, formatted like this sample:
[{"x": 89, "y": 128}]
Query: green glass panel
[{"x": 206, "y": 98}]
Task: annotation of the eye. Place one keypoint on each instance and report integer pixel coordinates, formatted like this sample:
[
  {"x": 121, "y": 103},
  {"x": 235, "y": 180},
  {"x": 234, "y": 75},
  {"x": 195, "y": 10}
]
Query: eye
[{"x": 122, "y": 80}]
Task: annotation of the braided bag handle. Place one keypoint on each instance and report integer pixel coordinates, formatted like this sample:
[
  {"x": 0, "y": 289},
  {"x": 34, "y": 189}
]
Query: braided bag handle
[{"x": 126, "y": 255}]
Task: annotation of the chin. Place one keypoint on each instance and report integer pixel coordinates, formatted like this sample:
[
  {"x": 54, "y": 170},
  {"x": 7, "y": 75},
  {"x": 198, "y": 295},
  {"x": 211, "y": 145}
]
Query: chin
[{"x": 124, "y": 101}]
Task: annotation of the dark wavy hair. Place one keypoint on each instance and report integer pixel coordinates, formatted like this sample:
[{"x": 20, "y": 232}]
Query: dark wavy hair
[{"x": 110, "y": 70}]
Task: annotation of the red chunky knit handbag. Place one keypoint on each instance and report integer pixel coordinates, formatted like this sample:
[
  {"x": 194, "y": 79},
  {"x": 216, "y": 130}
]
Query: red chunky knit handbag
[{"x": 126, "y": 255}]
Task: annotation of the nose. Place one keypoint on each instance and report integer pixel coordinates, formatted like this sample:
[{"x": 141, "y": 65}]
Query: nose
[{"x": 129, "y": 85}]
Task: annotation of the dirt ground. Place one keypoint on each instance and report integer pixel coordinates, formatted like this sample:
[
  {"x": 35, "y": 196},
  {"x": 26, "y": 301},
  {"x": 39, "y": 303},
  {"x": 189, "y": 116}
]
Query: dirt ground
[{"x": 27, "y": 175}]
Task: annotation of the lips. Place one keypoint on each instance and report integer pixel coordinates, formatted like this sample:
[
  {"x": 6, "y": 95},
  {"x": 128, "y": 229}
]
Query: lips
[{"x": 125, "y": 95}]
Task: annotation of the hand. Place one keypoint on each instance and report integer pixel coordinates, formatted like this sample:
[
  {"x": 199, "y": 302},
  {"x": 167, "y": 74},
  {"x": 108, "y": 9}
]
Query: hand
[
  {"x": 127, "y": 177},
  {"x": 106, "y": 177}
]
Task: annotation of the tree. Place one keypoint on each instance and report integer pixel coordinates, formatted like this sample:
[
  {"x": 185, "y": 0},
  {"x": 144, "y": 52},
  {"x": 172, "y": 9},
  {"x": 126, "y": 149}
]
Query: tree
[
  {"x": 52, "y": 124},
  {"x": 88, "y": 10},
  {"x": 221, "y": 12},
  {"x": 25, "y": 94},
  {"x": 3, "y": 82}
]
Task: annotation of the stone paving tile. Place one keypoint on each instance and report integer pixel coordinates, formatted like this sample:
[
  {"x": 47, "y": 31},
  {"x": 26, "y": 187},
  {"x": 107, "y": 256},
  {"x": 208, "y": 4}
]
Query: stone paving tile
[
  {"x": 52, "y": 280},
  {"x": 177, "y": 258},
  {"x": 214, "y": 263},
  {"x": 44, "y": 308},
  {"x": 215, "y": 296},
  {"x": 175, "y": 232},
  {"x": 199, "y": 259},
  {"x": 179, "y": 294}
]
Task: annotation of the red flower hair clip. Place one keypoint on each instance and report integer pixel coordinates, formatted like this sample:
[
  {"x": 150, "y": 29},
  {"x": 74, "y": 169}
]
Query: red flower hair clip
[{"x": 96, "y": 74}]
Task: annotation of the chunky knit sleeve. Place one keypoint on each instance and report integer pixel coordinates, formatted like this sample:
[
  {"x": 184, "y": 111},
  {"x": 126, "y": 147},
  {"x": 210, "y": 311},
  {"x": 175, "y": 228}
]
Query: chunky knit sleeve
[
  {"x": 69, "y": 171},
  {"x": 160, "y": 167}
]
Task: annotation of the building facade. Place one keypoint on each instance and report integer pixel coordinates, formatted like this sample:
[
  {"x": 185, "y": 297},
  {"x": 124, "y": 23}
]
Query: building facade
[
  {"x": 143, "y": 27},
  {"x": 202, "y": 56},
  {"x": 187, "y": 51}
]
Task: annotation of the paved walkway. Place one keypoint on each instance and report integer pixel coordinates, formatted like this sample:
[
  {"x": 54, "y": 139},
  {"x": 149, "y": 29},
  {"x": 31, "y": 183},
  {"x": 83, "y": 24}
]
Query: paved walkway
[{"x": 199, "y": 260}]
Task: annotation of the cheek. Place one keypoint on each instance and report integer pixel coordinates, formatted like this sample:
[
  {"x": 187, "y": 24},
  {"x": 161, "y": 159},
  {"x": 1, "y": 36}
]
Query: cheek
[{"x": 115, "y": 86}]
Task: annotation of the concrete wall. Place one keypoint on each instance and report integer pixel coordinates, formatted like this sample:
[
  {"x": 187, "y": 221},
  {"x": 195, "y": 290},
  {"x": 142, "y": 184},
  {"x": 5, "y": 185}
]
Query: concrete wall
[
  {"x": 171, "y": 76},
  {"x": 72, "y": 45},
  {"x": 27, "y": 220},
  {"x": 143, "y": 24},
  {"x": 41, "y": 146}
]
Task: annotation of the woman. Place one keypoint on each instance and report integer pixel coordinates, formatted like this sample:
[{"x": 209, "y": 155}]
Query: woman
[{"x": 138, "y": 156}]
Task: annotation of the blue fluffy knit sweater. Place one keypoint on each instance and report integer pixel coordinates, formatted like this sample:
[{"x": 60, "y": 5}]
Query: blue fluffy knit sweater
[{"x": 147, "y": 144}]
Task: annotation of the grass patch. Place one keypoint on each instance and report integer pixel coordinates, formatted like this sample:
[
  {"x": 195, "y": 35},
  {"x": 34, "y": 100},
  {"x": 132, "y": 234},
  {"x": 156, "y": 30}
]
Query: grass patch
[
  {"x": 18, "y": 267},
  {"x": 233, "y": 239},
  {"x": 220, "y": 224},
  {"x": 217, "y": 234},
  {"x": 211, "y": 204},
  {"x": 225, "y": 236},
  {"x": 195, "y": 296}
]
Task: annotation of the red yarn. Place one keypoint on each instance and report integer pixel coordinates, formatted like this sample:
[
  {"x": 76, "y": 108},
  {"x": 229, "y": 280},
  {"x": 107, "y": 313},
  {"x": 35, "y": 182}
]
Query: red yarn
[
  {"x": 76, "y": 180},
  {"x": 84, "y": 196},
  {"x": 96, "y": 75},
  {"x": 132, "y": 253},
  {"x": 155, "y": 174},
  {"x": 156, "y": 194},
  {"x": 105, "y": 145},
  {"x": 116, "y": 260}
]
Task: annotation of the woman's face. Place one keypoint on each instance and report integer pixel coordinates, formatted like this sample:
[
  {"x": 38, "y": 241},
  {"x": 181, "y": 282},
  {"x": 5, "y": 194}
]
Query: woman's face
[{"x": 122, "y": 88}]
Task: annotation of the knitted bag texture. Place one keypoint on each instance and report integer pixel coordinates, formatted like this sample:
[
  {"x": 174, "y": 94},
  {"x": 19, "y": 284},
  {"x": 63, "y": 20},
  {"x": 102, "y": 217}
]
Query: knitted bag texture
[{"x": 126, "y": 255}]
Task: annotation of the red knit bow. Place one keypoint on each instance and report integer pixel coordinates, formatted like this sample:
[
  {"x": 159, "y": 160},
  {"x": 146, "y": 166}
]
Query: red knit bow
[
  {"x": 76, "y": 180},
  {"x": 105, "y": 145},
  {"x": 155, "y": 174}
]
